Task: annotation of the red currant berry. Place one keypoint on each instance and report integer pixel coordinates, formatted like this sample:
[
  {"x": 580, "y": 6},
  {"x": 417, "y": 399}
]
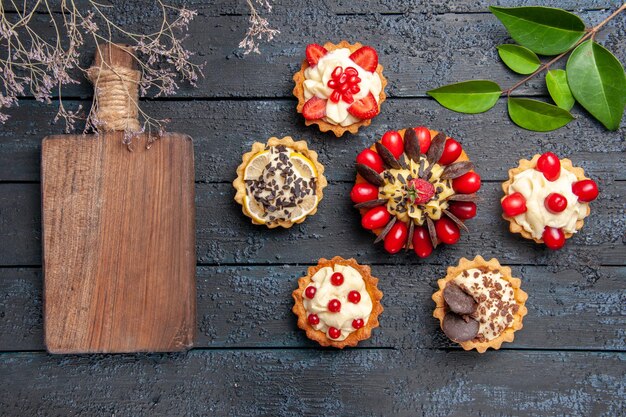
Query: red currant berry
[
  {"x": 549, "y": 165},
  {"x": 334, "y": 333},
  {"x": 467, "y": 183},
  {"x": 358, "y": 323},
  {"x": 313, "y": 319},
  {"x": 447, "y": 231},
  {"x": 586, "y": 190},
  {"x": 555, "y": 203},
  {"x": 354, "y": 297},
  {"x": 371, "y": 159},
  {"x": 310, "y": 291},
  {"x": 336, "y": 279},
  {"x": 553, "y": 237},
  {"x": 451, "y": 152},
  {"x": 514, "y": 205},
  {"x": 334, "y": 305}
]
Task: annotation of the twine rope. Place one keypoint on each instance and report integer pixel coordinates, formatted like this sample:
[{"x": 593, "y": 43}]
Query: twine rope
[{"x": 116, "y": 89}]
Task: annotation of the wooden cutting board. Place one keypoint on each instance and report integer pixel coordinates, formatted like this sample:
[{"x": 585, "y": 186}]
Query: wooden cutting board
[{"x": 118, "y": 240}]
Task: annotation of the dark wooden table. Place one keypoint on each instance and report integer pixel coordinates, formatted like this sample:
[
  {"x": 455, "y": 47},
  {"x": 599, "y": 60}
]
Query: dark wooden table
[{"x": 250, "y": 358}]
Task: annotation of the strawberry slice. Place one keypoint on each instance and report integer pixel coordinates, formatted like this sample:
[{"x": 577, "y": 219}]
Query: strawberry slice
[
  {"x": 366, "y": 108},
  {"x": 314, "y": 109},
  {"x": 365, "y": 57},
  {"x": 314, "y": 52}
]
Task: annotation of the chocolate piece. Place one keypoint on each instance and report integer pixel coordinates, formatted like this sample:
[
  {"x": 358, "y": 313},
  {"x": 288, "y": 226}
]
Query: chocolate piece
[
  {"x": 459, "y": 329},
  {"x": 411, "y": 144},
  {"x": 437, "y": 145},
  {"x": 409, "y": 240},
  {"x": 370, "y": 175},
  {"x": 456, "y": 220},
  {"x": 458, "y": 300},
  {"x": 432, "y": 232},
  {"x": 463, "y": 197},
  {"x": 385, "y": 154},
  {"x": 371, "y": 203},
  {"x": 456, "y": 169},
  {"x": 386, "y": 230}
]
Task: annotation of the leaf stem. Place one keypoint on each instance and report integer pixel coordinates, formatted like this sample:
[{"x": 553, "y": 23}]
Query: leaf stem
[{"x": 591, "y": 33}]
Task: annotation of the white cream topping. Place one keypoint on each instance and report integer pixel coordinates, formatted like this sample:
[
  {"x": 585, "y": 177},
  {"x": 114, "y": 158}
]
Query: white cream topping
[
  {"x": 326, "y": 291},
  {"x": 535, "y": 188},
  {"x": 316, "y": 84},
  {"x": 495, "y": 298}
]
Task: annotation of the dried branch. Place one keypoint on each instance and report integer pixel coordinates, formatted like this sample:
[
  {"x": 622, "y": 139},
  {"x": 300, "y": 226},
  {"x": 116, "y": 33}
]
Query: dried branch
[{"x": 259, "y": 28}]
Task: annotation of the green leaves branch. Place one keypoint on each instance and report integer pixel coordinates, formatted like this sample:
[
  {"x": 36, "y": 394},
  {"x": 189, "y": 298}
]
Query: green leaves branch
[{"x": 592, "y": 76}]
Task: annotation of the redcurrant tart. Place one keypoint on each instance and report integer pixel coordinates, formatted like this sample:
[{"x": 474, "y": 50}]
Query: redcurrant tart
[
  {"x": 426, "y": 190},
  {"x": 547, "y": 199}
]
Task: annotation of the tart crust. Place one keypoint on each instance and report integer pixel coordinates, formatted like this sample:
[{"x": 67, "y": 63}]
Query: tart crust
[
  {"x": 324, "y": 126},
  {"x": 520, "y": 297},
  {"x": 371, "y": 285},
  {"x": 360, "y": 179},
  {"x": 525, "y": 164},
  {"x": 287, "y": 141}
]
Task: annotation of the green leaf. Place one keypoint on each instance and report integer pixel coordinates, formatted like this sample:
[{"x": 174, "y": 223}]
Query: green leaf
[
  {"x": 519, "y": 59},
  {"x": 543, "y": 30},
  {"x": 556, "y": 80},
  {"x": 475, "y": 96},
  {"x": 598, "y": 83},
  {"x": 537, "y": 115}
]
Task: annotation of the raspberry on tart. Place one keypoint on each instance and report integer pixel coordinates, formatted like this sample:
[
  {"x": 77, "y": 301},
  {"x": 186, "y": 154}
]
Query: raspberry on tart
[
  {"x": 337, "y": 302},
  {"x": 279, "y": 183},
  {"x": 340, "y": 87},
  {"x": 415, "y": 189},
  {"x": 479, "y": 304},
  {"x": 547, "y": 199}
]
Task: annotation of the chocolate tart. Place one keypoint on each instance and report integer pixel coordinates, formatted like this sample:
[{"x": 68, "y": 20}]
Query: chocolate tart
[
  {"x": 370, "y": 289},
  {"x": 325, "y": 126},
  {"x": 463, "y": 323},
  {"x": 280, "y": 204}
]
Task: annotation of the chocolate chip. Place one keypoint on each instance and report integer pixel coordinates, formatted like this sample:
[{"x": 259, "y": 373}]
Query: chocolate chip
[
  {"x": 371, "y": 203},
  {"x": 437, "y": 146},
  {"x": 458, "y": 329},
  {"x": 411, "y": 145},
  {"x": 456, "y": 169},
  {"x": 458, "y": 300},
  {"x": 370, "y": 175},
  {"x": 385, "y": 154}
]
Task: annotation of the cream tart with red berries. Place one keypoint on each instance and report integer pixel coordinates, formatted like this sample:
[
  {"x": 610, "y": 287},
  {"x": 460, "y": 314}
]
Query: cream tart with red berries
[
  {"x": 338, "y": 302},
  {"x": 340, "y": 87},
  {"x": 415, "y": 189},
  {"x": 547, "y": 199},
  {"x": 479, "y": 304}
]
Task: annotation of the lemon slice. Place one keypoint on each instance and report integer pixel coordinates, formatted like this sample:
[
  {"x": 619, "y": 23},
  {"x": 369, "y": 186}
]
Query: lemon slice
[
  {"x": 253, "y": 209},
  {"x": 304, "y": 166},
  {"x": 257, "y": 164},
  {"x": 308, "y": 205}
]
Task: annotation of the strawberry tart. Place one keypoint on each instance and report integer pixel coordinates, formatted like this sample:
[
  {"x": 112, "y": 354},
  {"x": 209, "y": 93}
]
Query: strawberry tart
[{"x": 340, "y": 87}]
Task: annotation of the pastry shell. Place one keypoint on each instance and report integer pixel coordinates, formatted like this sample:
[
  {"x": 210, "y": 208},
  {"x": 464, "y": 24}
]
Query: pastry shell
[
  {"x": 324, "y": 126},
  {"x": 525, "y": 164},
  {"x": 287, "y": 141},
  {"x": 520, "y": 296},
  {"x": 371, "y": 284}
]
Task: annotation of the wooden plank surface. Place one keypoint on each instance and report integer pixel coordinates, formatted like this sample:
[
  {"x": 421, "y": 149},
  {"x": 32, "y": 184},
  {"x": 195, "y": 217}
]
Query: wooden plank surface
[{"x": 251, "y": 359}]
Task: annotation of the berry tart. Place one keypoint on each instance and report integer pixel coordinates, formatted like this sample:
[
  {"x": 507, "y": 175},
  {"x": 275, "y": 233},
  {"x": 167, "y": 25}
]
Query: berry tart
[
  {"x": 338, "y": 302},
  {"x": 415, "y": 189},
  {"x": 279, "y": 183},
  {"x": 479, "y": 304},
  {"x": 340, "y": 87},
  {"x": 547, "y": 199}
]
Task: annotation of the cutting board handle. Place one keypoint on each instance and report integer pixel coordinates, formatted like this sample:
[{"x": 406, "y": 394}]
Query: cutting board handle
[{"x": 116, "y": 78}]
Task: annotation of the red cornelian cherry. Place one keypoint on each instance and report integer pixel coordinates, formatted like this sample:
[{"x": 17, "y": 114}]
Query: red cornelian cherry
[
  {"x": 336, "y": 279},
  {"x": 447, "y": 231},
  {"x": 314, "y": 319},
  {"x": 371, "y": 159},
  {"x": 344, "y": 84},
  {"x": 334, "y": 333},
  {"x": 555, "y": 203},
  {"x": 358, "y": 323},
  {"x": 553, "y": 238},
  {"x": 585, "y": 190},
  {"x": 334, "y": 305},
  {"x": 310, "y": 291},
  {"x": 549, "y": 165},
  {"x": 354, "y": 297},
  {"x": 514, "y": 205}
]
